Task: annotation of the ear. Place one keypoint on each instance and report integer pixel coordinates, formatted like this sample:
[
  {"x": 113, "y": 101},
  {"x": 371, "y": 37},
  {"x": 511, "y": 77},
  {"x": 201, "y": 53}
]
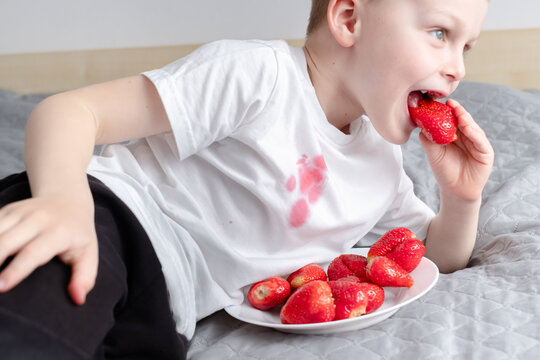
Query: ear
[{"x": 342, "y": 16}]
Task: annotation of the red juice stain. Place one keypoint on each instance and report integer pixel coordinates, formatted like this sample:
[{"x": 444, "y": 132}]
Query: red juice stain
[
  {"x": 291, "y": 183},
  {"x": 319, "y": 162},
  {"x": 302, "y": 160},
  {"x": 311, "y": 179},
  {"x": 314, "y": 193},
  {"x": 299, "y": 213}
]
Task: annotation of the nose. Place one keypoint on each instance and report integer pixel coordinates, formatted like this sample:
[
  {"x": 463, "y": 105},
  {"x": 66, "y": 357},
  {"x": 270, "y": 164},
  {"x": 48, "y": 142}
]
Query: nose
[{"x": 455, "y": 66}]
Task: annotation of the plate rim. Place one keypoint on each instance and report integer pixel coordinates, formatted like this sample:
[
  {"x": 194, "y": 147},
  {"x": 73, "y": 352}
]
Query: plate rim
[{"x": 344, "y": 322}]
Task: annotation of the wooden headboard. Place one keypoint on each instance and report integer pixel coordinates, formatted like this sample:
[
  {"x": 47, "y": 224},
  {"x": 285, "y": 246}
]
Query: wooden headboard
[{"x": 510, "y": 57}]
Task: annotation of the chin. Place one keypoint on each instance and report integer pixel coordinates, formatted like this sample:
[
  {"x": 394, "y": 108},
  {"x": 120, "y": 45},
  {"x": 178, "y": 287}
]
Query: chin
[
  {"x": 402, "y": 140},
  {"x": 403, "y": 134},
  {"x": 397, "y": 138},
  {"x": 396, "y": 129}
]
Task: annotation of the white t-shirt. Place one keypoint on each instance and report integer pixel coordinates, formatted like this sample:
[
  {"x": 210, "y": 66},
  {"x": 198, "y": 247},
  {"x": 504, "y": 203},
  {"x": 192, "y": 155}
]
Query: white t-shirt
[{"x": 253, "y": 181}]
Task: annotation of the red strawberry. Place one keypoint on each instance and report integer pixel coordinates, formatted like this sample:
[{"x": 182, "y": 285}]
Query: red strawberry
[
  {"x": 357, "y": 264},
  {"x": 311, "y": 303},
  {"x": 374, "y": 293},
  {"x": 351, "y": 278},
  {"x": 375, "y": 296},
  {"x": 385, "y": 272},
  {"x": 436, "y": 120},
  {"x": 305, "y": 274},
  {"x": 266, "y": 294},
  {"x": 349, "y": 298},
  {"x": 338, "y": 270},
  {"x": 347, "y": 265},
  {"x": 408, "y": 254},
  {"x": 389, "y": 241}
]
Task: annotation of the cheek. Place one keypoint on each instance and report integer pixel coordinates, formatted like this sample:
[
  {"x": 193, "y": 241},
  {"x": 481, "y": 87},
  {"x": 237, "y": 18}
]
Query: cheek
[
  {"x": 395, "y": 67},
  {"x": 410, "y": 64}
]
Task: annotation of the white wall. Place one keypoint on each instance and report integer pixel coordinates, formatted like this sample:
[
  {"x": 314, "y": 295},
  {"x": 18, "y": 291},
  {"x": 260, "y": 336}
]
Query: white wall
[
  {"x": 56, "y": 25},
  {"x": 513, "y": 14},
  {"x": 50, "y": 25}
]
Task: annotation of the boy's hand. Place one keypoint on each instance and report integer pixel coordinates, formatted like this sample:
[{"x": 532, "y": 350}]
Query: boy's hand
[
  {"x": 37, "y": 229},
  {"x": 461, "y": 168}
]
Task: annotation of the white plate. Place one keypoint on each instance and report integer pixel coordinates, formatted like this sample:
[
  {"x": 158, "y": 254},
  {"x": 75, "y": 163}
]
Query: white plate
[{"x": 425, "y": 277}]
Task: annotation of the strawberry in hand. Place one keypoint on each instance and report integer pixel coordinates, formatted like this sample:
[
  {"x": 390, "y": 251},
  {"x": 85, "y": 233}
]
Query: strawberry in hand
[{"x": 435, "y": 119}]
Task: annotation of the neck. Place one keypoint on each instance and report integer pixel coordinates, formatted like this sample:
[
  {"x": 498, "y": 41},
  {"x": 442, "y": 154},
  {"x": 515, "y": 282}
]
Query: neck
[{"x": 326, "y": 70}]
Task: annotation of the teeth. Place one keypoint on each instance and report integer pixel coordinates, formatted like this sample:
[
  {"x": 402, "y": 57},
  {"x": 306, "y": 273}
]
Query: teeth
[{"x": 423, "y": 91}]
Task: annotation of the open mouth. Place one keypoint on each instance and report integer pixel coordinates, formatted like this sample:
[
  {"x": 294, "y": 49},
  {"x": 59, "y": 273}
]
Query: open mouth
[{"x": 417, "y": 95}]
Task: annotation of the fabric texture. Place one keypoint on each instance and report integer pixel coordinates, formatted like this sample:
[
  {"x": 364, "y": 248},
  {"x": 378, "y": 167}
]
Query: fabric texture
[
  {"x": 253, "y": 181},
  {"x": 126, "y": 315}
]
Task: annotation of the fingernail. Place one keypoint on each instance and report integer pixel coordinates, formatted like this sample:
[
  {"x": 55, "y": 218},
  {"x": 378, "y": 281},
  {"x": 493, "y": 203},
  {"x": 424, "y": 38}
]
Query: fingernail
[
  {"x": 2, "y": 284},
  {"x": 82, "y": 299}
]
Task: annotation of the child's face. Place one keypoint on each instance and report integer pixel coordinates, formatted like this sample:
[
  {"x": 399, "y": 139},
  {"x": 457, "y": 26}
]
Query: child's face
[{"x": 410, "y": 45}]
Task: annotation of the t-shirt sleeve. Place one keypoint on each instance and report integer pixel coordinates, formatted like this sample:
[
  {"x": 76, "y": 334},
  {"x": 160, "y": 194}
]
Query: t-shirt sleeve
[
  {"x": 407, "y": 210},
  {"x": 214, "y": 91}
]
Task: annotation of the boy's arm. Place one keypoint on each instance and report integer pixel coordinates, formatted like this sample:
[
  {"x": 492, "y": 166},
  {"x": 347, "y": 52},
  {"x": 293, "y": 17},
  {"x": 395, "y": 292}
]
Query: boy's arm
[
  {"x": 462, "y": 169},
  {"x": 63, "y": 129},
  {"x": 60, "y": 137},
  {"x": 452, "y": 234}
]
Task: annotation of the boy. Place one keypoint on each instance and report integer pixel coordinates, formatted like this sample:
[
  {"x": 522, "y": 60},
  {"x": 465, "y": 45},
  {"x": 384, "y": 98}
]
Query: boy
[{"x": 254, "y": 158}]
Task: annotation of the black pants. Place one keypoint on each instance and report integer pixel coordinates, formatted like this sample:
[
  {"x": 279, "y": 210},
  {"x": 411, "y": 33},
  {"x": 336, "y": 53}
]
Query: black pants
[{"x": 126, "y": 315}]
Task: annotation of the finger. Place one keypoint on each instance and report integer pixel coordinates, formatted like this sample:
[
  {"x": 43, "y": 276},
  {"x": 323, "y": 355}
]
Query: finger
[
  {"x": 466, "y": 123},
  {"x": 434, "y": 152},
  {"x": 33, "y": 255},
  {"x": 470, "y": 129},
  {"x": 453, "y": 104},
  {"x": 8, "y": 218},
  {"x": 13, "y": 239},
  {"x": 83, "y": 274},
  {"x": 426, "y": 143},
  {"x": 476, "y": 140},
  {"x": 464, "y": 117}
]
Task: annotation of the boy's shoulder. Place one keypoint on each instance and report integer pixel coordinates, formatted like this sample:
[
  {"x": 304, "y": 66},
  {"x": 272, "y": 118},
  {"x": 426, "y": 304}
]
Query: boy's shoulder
[
  {"x": 240, "y": 45},
  {"x": 250, "y": 56},
  {"x": 240, "y": 48}
]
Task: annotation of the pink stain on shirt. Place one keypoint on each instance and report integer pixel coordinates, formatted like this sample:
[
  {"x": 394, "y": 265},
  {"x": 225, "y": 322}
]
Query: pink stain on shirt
[
  {"x": 311, "y": 178},
  {"x": 319, "y": 162},
  {"x": 314, "y": 193},
  {"x": 299, "y": 213},
  {"x": 291, "y": 183}
]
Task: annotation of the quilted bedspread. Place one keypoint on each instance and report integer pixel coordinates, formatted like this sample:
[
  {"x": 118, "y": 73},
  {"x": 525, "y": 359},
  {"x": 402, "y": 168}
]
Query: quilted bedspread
[{"x": 490, "y": 310}]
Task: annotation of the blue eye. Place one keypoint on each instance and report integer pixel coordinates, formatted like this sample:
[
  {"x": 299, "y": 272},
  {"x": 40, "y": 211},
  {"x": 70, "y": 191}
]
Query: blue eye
[{"x": 439, "y": 34}]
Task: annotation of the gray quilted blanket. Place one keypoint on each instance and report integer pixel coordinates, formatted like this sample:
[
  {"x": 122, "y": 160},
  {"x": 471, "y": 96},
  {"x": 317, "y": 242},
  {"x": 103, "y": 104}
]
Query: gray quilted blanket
[{"x": 490, "y": 310}]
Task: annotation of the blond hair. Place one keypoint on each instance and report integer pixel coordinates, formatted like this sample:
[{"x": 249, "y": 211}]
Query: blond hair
[{"x": 317, "y": 15}]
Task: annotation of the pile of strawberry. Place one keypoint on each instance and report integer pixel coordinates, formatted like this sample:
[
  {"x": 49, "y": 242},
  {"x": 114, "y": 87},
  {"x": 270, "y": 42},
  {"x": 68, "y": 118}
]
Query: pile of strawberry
[{"x": 352, "y": 285}]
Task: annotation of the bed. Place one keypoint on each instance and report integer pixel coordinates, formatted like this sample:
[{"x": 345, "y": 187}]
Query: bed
[{"x": 490, "y": 309}]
